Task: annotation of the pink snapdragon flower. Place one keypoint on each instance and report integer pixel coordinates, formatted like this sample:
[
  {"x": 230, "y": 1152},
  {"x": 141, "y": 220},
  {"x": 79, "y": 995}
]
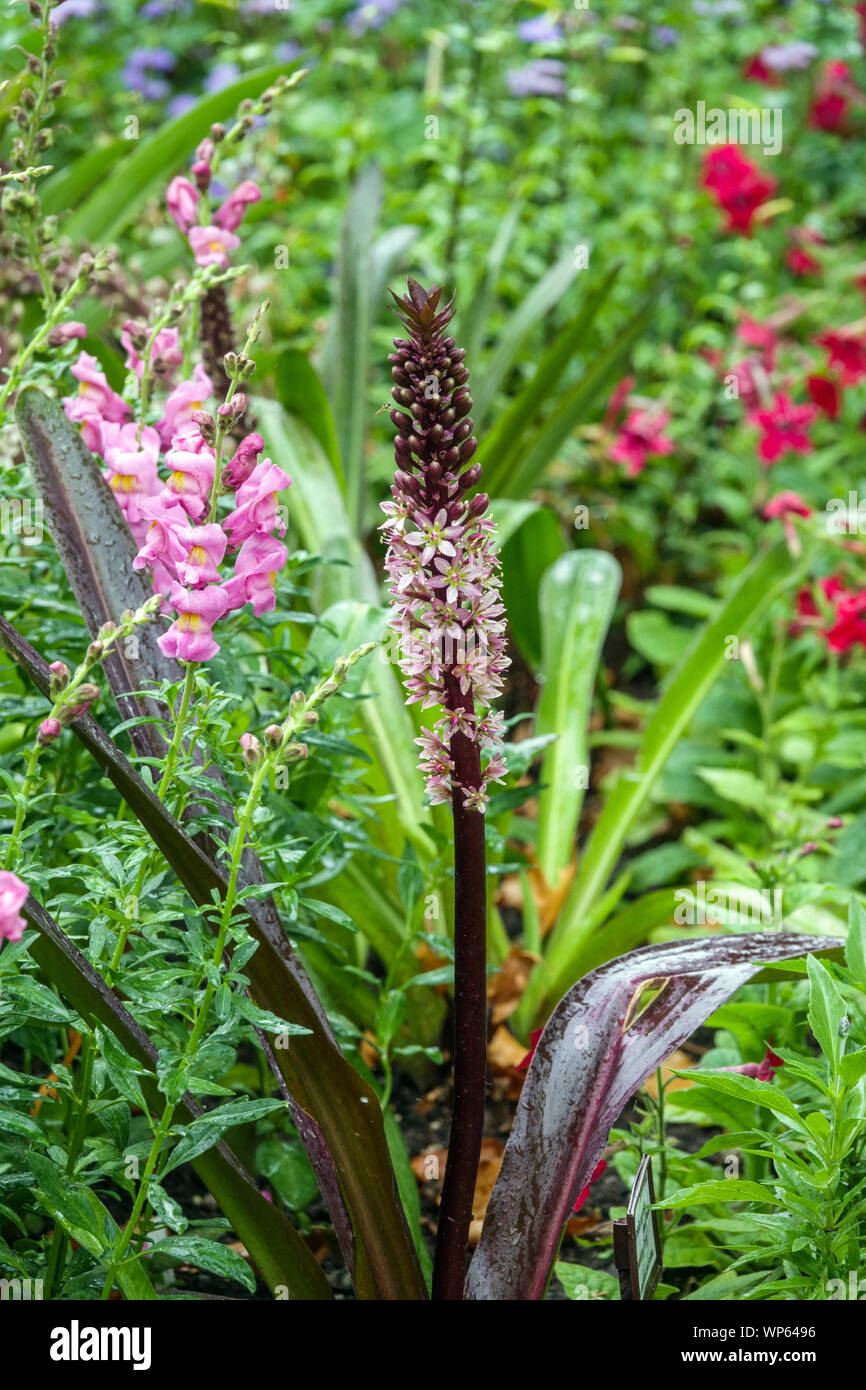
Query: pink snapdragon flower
[
  {"x": 166, "y": 349},
  {"x": 190, "y": 637},
  {"x": 95, "y": 404},
  {"x": 192, "y": 464},
  {"x": 162, "y": 547},
  {"x": 203, "y": 551},
  {"x": 239, "y": 468},
  {"x": 132, "y": 469},
  {"x": 258, "y": 500},
  {"x": 231, "y": 213},
  {"x": 189, "y": 396},
  {"x": 13, "y": 893},
  {"x": 254, "y": 579},
  {"x": 182, "y": 200},
  {"x": 211, "y": 245}
]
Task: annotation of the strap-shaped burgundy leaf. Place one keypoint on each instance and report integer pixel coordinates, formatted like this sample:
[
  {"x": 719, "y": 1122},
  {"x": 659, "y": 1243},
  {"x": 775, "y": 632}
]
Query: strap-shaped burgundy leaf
[
  {"x": 599, "y": 1045},
  {"x": 96, "y": 549}
]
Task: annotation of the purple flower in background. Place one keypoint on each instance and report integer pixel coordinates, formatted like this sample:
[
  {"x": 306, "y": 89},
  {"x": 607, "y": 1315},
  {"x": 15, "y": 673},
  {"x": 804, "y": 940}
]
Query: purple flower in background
[
  {"x": 158, "y": 9},
  {"x": 221, "y": 75},
  {"x": 372, "y": 14},
  {"x": 543, "y": 77},
  {"x": 543, "y": 29},
  {"x": 265, "y": 6},
  {"x": 287, "y": 52},
  {"x": 718, "y": 9},
  {"x": 74, "y": 9},
  {"x": 142, "y": 64},
  {"x": 666, "y": 36},
  {"x": 784, "y": 57},
  {"x": 179, "y": 105}
]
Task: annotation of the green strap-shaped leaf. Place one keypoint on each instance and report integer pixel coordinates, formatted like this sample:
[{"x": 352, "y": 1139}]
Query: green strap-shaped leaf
[
  {"x": 523, "y": 471},
  {"x": 504, "y": 441},
  {"x": 576, "y": 601},
  {"x": 767, "y": 575},
  {"x": 530, "y": 311}
]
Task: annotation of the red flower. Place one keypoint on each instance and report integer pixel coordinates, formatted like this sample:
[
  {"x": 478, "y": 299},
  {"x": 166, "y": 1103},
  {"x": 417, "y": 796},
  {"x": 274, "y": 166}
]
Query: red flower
[
  {"x": 596, "y": 1174},
  {"x": 760, "y": 336},
  {"x": 848, "y": 624},
  {"x": 834, "y": 94},
  {"x": 617, "y": 399},
  {"x": 641, "y": 435},
  {"x": 847, "y": 351},
  {"x": 797, "y": 258},
  {"x": 825, "y": 394},
  {"x": 784, "y": 428},
  {"x": 786, "y": 504},
  {"x": 756, "y": 70},
  {"x": 738, "y": 186}
]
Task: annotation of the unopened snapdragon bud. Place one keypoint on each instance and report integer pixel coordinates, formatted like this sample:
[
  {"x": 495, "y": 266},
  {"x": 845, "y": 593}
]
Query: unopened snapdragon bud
[
  {"x": 84, "y": 697},
  {"x": 294, "y": 752},
  {"x": 251, "y": 750},
  {"x": 59, "y": 678},
  {"x": 273, "y": 735},
  {"x": 206, "y": 425},
  {"x": 49, "y": 730}
]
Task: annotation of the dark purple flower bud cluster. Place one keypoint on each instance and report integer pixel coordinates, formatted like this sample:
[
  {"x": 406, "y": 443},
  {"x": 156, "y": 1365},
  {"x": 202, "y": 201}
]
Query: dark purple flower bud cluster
[{"x": 443, "y": 569}]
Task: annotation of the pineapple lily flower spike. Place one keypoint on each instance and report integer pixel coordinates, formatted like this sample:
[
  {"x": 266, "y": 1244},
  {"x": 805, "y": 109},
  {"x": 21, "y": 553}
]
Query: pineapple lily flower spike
[{"x": 443, "y": 574}]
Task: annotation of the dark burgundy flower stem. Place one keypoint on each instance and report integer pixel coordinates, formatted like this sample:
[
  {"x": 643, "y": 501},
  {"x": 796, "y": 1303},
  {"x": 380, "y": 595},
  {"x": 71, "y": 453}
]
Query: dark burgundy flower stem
[{"x": 470, "y": 1027}]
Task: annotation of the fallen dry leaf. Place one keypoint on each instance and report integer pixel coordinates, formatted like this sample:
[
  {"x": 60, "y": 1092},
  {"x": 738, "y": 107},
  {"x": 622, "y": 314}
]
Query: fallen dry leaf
[
  {"x": 505, "y": 988},
  {"x": 678, "y": 1061},
  {"x": 504, "y": 1051}
]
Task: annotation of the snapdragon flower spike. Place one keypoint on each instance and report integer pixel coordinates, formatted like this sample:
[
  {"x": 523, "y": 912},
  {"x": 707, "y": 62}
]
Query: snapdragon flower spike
[{"x": 443, "y": 570}]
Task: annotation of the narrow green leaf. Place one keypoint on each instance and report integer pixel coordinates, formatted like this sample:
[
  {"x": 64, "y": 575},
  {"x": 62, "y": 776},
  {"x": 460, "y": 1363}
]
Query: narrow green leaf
[{"x": 576, "y": 601}]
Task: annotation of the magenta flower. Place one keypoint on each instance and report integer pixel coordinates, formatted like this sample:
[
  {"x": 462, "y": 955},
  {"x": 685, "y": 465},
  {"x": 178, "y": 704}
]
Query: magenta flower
[
  {"x": 184, "y": 399},
  {"x": 12, "y": 895},
  {"x": 443, "y": 570},
  {"x": 765, "y": 1070},
  {"x": 258, "y": 499},
  {"x": 642, "y": 435},
  {"x": 182, "y": 199},
  {"x": 211, "y": 245},
  {"x": 784, "y": 427},
  {"x": 231, "y": 213},
  {"x": 190, "y": 637},
  {"x": 203, "y": 551},
  {"x": 259, "y": 559}
]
